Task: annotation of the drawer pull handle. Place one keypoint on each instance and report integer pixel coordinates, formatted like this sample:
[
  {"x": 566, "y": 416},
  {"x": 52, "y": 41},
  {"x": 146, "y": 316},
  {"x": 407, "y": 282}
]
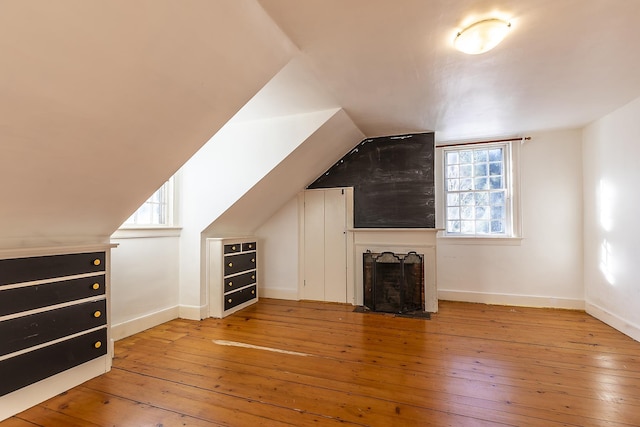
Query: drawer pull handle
[
  {"x": 97, "y": 314},
  {"x": 253, "y": 260},
  {"x": 253, "y": 277},
  {"x": 229, "y": 300},
  {"x": 253, "y": 292},
  {"x": 230, "y": 264},
  {"x": 250, "y": 246},
  {"x": 97, "y": 261},
  {"x": 96, "y": 286},
  {"x": 230, "y": 283},
  {"x": 233, "y": 248},
  {"x": 98, "y": 344}
]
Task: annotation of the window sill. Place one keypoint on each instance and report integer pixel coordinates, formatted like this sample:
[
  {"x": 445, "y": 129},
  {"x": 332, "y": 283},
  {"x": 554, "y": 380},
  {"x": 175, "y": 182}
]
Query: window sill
[
  {"x": 146, "y": 232},
  {"x": 488, "y": 241}
]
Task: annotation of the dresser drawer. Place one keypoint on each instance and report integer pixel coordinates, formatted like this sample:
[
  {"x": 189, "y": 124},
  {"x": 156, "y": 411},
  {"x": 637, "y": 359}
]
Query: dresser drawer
[
  {"x": 238, "y": 297},
  {"x": 20, "y": 371},
  {"x": 249, "y": 246},
  {"x": 38, "y": 296},
  {"x": 238, "y": 263},
  {"x": 239, "y": 281},
  {"x": 26, "y": 331},
  {"x": 20, "y": 270},
  {"x": 232, "y": 248}
]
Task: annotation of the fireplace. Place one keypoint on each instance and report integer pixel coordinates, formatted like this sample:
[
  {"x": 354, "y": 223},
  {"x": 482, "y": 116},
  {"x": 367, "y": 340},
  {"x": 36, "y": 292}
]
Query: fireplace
[{"x": 393, "y": 283}]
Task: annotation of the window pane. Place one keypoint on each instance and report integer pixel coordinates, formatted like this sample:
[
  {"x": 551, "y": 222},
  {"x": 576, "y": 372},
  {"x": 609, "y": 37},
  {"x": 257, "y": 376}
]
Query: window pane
[
  {"x": 453, "y": 226},
  {"x": 481, "y": 184},
  {"x": 466, "y": 156},
  {"x": 467, "y": 199},
  {"x": 467, "y": 227},
  {"x": 497, "y": 198},
  {"x": 482, "y": 213},
  {"x": 453, "y": 184},
  {"x": 466, "y": 171},
  {"x": 480, "y": 156},
  {"x": 466, "y": 184},
  {"x": 495, "y": 168},
  {"x": 453, "y": 213},
  {"x": 467, "y": 212},
  {"x": 482, "y": 199},
  {"x": 452, "y": 158},
  {"x": 453, "y": 199},
  {"x": 453, "y": 172},
  {"x": 497, "y": 227},
  {"x": 495, "y": 155},
  {"x": 482, "y": 227},
  {"x": 495, "y": 182},
  {"x": 497, "y": 212},
  {"x": 480, "y": 170}
]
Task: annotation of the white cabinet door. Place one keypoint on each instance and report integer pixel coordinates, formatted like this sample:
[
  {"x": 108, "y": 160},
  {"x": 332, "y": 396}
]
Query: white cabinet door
[{"x": 325, "y": 263}]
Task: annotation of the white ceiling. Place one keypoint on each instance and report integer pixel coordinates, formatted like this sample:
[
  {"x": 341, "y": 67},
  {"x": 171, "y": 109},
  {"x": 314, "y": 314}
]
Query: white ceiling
[{"x": 392, "y": 67}]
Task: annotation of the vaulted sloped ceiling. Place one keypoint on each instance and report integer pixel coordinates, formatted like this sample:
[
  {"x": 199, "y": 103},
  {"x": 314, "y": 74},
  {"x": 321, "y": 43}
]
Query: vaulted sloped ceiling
[{"x": 102, "y": 101}]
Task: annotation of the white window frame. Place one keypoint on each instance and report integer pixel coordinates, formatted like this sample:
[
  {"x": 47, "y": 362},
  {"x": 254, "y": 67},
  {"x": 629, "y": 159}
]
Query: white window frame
[
  {"x": 131, "y": 229},
  {"x": 512, "y": 167}
]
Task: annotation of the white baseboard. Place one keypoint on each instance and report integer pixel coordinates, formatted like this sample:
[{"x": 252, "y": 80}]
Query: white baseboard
[
  {"x": 628, "y": 328},
  {"x": 193, "y": 312},
  {"x": 131, "y": 327},
  {"x": 511, "y": 299},
  {"x": 279, "y": 293}
]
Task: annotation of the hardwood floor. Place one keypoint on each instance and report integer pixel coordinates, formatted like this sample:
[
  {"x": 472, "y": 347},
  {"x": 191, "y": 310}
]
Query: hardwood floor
[{"x": 308, "y": 363}]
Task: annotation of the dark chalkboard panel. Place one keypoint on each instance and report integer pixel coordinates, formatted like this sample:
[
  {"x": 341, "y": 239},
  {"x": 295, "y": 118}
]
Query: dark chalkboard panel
[{"x": 392, "y": 179}]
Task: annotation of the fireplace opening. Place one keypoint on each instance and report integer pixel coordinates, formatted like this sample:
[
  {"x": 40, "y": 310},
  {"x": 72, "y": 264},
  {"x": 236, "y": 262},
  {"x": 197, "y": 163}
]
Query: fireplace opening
[{"x": 394, "y": 283}]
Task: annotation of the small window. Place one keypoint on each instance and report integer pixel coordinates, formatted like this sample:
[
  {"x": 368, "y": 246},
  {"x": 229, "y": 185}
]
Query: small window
[
  {"x": 478, "y": 189},
  {"x": 157, "y": 211}
]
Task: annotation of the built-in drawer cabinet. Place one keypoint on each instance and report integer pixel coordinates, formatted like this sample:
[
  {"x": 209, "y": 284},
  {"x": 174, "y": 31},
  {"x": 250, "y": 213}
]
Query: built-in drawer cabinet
[
  {"x": 232, "y": 274},
  {"x": 53, "y": 318}
]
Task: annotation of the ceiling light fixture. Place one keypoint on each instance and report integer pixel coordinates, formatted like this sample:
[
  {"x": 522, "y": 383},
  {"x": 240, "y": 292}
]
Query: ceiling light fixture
[{"x": 482, "y": 36}]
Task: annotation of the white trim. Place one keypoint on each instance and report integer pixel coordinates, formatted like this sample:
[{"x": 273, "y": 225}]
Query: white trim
[
  {"x": 55, "y": 250},
  {"x": 279, "y": 293},
  {"x": 193, "y": 312},
  {"x": 140, "y": 232},
  {"x": 443, "y": 239},
  {"x": 628, "y": 328},
  {"x": 31, "y": 395},
  {"x": 511, "y": 299},
  {"x": 139, "y": 324}
]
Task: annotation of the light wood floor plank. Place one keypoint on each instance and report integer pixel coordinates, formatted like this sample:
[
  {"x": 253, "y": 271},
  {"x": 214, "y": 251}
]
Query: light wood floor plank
[{"x": 470, "y": 365}]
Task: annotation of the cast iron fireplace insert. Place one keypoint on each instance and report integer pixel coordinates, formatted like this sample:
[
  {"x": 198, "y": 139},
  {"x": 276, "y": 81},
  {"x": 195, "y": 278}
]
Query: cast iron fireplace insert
[{"x": 393, "y": 283}]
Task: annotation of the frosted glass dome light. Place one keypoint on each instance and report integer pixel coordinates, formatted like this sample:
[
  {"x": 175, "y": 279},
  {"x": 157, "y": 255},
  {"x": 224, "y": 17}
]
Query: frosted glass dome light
[{"x": 481, "y": 36}]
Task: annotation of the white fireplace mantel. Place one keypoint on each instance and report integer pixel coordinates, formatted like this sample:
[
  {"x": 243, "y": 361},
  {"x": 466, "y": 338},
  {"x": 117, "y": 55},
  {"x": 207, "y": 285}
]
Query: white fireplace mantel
[{"x": 399, "y": 240}]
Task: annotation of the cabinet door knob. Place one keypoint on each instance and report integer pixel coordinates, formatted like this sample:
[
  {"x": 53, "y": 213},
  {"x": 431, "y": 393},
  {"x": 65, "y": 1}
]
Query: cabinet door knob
[
  {"x": 233, "y": 248},
  {"x": 253, "y": 292},
  {"x": 230, "y": 264},
  {"x": 96, "y": 286},
  {"x": 253, "y": 260},
  {"x": 253, "y": 277},
  {"x": 98, "y": 344},
  {"x": 97, "y": 313},
  {"x": 250, "y": 246},
  {"x": 229, "y": 300},
  {"x": 230, "y": 283},
  {"x": 97, "y": 261}
]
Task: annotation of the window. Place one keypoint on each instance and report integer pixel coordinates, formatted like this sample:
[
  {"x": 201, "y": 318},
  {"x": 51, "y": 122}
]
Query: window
[
  {"x": 478, "y": 190},
  {"x": 157, "y": 210}
]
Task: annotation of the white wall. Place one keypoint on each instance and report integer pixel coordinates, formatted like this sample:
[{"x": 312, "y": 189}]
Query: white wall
[
  {"x": 144, "y": 282},
  {"x": 545, "y": 267},
  {"x": 611, "y": 218},
  {"x": 279, "y": 255}
]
